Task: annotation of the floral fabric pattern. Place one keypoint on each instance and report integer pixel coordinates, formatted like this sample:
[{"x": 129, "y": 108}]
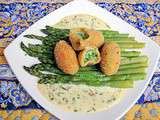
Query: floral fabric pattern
[{"x": 17, "y": 17}]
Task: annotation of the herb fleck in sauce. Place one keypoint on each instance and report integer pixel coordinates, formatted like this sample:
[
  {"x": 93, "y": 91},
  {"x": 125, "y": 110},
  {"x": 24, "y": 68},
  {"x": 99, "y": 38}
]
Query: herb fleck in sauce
[{"x": 81, "y": 98}]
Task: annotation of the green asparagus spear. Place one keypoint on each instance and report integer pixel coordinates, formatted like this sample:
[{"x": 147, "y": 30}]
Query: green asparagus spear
[
  {"x": 130, "y": 53},
  {"x": 119, "y": 39},
  {"x": 132, "y": 46},
  {"x": 134, "y": 60},
  {"x": 133, "y": 70},
  {"x": 115, "y": 35},
  {"x": 54, "y": 31},
  {"x": 120, "y": 84},
  {"x": 133, "y": 65},
  {"x": 109, "y": 32},
  {"x": 31, "y": 36}
]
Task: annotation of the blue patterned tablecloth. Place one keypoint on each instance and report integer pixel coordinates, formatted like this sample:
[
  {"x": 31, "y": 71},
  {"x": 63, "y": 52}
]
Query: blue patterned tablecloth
[{"x": 17, "y": 17}]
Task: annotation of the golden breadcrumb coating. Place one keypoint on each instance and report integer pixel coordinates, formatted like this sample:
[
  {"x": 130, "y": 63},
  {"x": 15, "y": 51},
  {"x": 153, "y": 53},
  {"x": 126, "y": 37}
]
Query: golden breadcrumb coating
[
  {"x": 94, "y": 39},
  {"x": 110, "y": 58},
  {"x": 66, "y": 58},
  {"x": 89, "y": 56}
]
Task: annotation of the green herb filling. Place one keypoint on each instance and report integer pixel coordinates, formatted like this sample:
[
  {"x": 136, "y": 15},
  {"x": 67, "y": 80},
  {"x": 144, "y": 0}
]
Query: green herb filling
[
  {"x": 91, "y": 55},
  {"x": 82, "y": 35}
]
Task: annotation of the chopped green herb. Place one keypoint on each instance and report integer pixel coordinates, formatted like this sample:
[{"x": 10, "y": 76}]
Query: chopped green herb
[
  {"x": 75, "y": 110},
  {"x": 82, "y": 35},
  {"x": 91, "y": 55}
]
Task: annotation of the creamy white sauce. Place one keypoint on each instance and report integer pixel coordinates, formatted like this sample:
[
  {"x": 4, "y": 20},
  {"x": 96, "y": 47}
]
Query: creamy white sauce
[
  {"x": 82, "y": 21},
  {"x": 81, "y": 98}
]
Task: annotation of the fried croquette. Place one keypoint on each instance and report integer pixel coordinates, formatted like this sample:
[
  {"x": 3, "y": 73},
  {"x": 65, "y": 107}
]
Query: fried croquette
[
  {"x": 89, "y": 56},
  {"x": 110, "y": 58},
  {"x": 84, "y": 37},
  {"x": 66, "y": 58}
]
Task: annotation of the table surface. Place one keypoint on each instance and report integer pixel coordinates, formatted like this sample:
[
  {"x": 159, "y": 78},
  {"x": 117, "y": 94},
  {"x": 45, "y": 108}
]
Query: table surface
[{"x": 16, "y": 17}]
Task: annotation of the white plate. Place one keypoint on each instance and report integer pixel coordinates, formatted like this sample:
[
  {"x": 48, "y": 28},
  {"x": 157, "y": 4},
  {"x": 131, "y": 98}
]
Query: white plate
[{"x": 16, "y": 59}]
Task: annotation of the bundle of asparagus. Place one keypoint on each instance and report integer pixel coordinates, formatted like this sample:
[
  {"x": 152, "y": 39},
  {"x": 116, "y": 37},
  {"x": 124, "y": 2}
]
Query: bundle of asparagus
[{"x": 132, "y": 66}]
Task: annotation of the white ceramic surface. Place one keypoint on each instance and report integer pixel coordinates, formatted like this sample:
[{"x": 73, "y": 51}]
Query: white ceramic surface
[{"x": 16, "y": 59}]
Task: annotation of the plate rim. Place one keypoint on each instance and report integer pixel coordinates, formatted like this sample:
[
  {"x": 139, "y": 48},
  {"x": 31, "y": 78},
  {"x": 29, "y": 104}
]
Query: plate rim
[{"x": 72, "y": 3}]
